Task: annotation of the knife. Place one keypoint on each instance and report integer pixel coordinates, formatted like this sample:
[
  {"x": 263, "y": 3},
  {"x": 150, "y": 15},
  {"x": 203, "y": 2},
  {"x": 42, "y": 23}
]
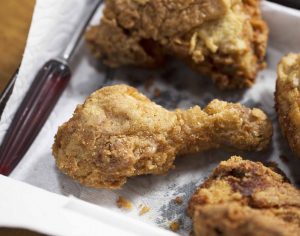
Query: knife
[{"x": 40, "y": 99}]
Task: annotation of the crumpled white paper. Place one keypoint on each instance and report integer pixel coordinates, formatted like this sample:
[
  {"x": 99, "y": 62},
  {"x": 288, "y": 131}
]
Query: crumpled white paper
[{"x": 52, "y": 24}]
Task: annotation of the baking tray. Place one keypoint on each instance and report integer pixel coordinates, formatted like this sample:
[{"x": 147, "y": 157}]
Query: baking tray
[{"x": 188, "y": 168}]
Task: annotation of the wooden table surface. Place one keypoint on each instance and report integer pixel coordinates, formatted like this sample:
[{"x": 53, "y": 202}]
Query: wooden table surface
[{"x": 15, "y": 19}]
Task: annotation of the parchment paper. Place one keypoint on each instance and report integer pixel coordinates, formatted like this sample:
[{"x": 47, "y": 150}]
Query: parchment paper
[{"x": 178, "y": 86}]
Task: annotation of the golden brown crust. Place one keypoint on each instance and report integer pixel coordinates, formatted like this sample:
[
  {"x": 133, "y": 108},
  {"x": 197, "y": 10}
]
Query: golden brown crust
[
  {"x": 118, "y": 133},
  {"x": 287, "y": 98},
  {"x": 232, "y": 219},
  {"x": 245, "y": 198},
  {"x": 223, "y": 38}
]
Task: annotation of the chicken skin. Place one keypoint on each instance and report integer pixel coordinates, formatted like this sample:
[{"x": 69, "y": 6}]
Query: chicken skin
[
  {"x": 287, "y": 98},
  {"x": 225, "y": 39},
  {"x": 245, "y": 198},
  {"x": 118, "y": 133}
]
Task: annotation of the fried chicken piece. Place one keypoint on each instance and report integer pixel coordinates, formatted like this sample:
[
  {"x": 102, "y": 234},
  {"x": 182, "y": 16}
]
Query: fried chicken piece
[
  {"x": 287, "y": 98},
  {"x": 225, "y": 39},
  {"x": 245, "y": 198},
  {"x": 118, "y": 133}
]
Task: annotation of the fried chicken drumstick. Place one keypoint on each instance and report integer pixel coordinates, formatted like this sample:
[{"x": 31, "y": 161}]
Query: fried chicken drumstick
[
  {"x": 225, "y": 39},
  {"x": 287, "y": 98},
  {"x": 118, "y": 133},
  {"x": 245, "y": 198}
]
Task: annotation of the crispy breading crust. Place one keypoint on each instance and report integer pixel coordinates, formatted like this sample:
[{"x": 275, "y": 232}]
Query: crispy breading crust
[
  {"x": 118, "y": 133},
  {"x": 225, "y": 39},
  {"x": 245, "y": 198},
  {"x": 287, "y": 97}
]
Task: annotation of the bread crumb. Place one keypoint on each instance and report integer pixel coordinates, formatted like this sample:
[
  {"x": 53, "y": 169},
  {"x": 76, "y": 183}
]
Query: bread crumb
[
  {"x": 156, "y": 92},
  {"x": 124, "y": 203},
  {"x": 174, "y": 226},
  {"x": 178, "y": 200},
  {"x": 143, "y": 210}
]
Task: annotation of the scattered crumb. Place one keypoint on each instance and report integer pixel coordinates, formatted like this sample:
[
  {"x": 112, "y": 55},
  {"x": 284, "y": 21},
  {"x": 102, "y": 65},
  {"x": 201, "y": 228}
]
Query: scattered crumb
[
  {"x": 178, "y": 200},
  {"x": 284, "y": 158},
  {"x": 124, "y": 203},
  {"x": 174, "y": 226},
  {"x": 149, "y": 82},
  {"x": 156, "y": 92},
  {"x": 144, "y": 210}
]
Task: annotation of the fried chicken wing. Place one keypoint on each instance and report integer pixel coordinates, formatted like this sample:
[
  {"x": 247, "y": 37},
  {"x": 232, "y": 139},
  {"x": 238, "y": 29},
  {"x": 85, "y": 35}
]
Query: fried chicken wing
[
  {"x": 222, "y": 38},
  {"x": 245, "y": 198},
  {"x": 287, "y": 98},
  {"x": 118, "y": 133}
]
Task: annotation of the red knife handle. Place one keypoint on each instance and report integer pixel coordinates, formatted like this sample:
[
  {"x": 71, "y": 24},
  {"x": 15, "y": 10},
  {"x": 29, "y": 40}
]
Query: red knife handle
[{"x": 43, "y": 94}]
